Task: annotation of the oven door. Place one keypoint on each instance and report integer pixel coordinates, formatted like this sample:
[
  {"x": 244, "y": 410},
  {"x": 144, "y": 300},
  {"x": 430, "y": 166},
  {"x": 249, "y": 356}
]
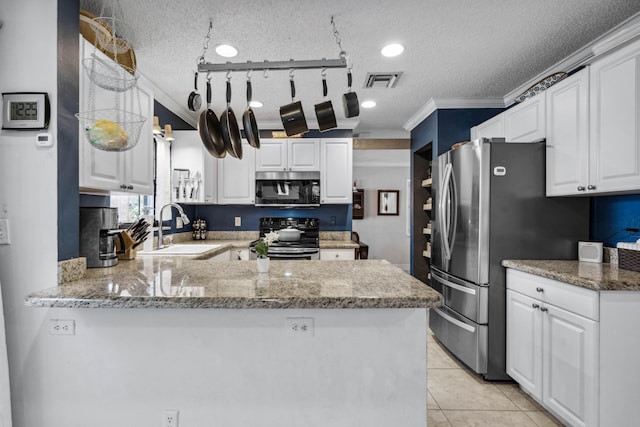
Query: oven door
[{"x": 289, "y": 254}]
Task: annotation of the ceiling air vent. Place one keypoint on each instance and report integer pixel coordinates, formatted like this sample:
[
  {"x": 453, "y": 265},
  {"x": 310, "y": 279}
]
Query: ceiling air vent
[{"x": 382, "y": 80}]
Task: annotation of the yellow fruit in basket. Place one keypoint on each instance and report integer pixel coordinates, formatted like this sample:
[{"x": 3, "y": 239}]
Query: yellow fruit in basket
[{"x": 108, "y": 134}]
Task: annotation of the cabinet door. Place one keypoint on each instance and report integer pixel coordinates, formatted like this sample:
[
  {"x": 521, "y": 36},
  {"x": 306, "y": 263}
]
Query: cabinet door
[
  {"x": 524, "y": 342},
  {"x": 139, "y": 161},
  {"x": 98, "y": 169},
  {"x": 272, "y": 155},
  {"x": 304, "y": 154},
  {"x": 570, "y": 364},
  {"x": 568, "y": 135},
  {"x": 526, "y": 122},
  {"x": 237, "y": 178},
  {"x": 336, "y": 171},
  {"x": 615, "y": 121},
  {"x": 492, "y": 128}
]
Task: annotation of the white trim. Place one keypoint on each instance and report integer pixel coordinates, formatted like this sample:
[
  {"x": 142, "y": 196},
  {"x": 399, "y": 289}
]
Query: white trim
[
  {"x": 366, "y": 164},
  {"x": 437, "y": 103},
  {"x": 627, "y": 31}
]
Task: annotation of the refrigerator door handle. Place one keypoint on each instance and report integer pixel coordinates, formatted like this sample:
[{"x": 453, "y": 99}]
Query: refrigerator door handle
[{"x": 442, "y": 212}]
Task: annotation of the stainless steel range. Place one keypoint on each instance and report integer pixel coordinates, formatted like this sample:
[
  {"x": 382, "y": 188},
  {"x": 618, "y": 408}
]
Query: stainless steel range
[{"x": 307, "y": 246}]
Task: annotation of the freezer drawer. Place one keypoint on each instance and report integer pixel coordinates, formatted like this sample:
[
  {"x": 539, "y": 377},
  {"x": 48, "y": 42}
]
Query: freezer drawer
[
  {"x": 468, "y": 299},
  {"x": 465, "y": 339}
]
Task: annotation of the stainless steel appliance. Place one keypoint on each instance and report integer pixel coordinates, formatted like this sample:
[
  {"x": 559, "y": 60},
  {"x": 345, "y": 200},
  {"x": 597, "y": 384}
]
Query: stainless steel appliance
[
  {"x": 490, "y": 206},
  {"x": 98, "y": 227},
  {"x": 307, "y": 246},
  {"x": 288, "y": 189}
]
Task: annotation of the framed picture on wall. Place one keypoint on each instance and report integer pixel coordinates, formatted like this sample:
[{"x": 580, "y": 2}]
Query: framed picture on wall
[{"x": 388, "y": 202}]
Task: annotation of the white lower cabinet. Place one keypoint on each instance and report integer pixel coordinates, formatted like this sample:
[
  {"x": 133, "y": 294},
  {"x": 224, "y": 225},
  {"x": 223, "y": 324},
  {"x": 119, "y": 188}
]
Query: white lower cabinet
[
  {"x": 337, "y": 254},
  {"x": 575, "y": 350}
]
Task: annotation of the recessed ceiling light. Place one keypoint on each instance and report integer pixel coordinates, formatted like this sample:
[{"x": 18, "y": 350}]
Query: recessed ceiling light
[
  {"x": 393, "y": 49},
  {"x": 368, "y": 104},
  {"x": 256, "y": 104},
  {"x": 226, "y": 50}
]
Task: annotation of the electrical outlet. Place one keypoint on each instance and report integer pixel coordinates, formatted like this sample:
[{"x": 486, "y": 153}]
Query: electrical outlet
[
  {"x": 62, "y": 327},
  {"x": 4, "y": 232},
  {"x": 300, "y": 326},
  {"x": 238, "y": 221},
  {"x": 170, "y": 418}
]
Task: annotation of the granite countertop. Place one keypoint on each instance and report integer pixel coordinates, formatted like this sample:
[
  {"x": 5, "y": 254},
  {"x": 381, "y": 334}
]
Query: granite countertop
[
  {"x": 181, "y": 282},
  {"x": 594, "y": 276}
]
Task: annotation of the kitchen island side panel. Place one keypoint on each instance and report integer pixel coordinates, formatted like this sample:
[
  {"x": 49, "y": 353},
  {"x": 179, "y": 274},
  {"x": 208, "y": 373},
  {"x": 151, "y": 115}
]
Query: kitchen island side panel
[{"x": 232, "y": 368}]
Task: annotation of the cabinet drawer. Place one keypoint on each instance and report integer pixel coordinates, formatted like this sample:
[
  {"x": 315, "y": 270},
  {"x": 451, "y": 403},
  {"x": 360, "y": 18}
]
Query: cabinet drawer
[
  {"x": 336, "y": 254},
  {"x": 575, "y": 299}
]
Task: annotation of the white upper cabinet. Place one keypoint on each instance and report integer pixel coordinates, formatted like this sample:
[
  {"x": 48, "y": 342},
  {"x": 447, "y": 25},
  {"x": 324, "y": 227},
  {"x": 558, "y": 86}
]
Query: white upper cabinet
[
  {"x": 526, "y": 121},
  {"x": 295, "y": 154},
  {"x": 336, "y": 170},
  {"x": 492, "y": 128},
  {"x": 131, "y": 170},
  {"x": 568, "y": 135},
  {"x": 615, "y": 122},
  {"x": 237, "y": 177}
]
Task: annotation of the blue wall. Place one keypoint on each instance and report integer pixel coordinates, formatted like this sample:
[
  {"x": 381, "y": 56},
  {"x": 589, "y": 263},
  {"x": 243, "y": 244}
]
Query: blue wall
[{"x": 610, "y": 215}]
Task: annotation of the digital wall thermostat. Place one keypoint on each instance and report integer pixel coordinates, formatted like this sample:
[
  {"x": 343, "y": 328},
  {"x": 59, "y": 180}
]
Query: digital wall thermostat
[
  {"x": 44, "y": 140},
  {"x": 25, "y": 110}
]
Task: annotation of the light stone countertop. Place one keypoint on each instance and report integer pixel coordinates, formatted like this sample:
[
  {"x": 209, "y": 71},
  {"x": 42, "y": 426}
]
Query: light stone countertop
[
  {"x": 594, "y": 276},
  {"x": 181, "y": 282}
]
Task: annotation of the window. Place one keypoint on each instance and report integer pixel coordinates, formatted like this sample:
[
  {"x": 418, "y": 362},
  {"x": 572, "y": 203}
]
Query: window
[{"x": 132, "y": 206}]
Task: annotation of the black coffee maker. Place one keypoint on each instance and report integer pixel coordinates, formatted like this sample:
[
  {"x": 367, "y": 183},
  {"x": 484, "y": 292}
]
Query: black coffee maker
[{"x": 98, "y": 227}]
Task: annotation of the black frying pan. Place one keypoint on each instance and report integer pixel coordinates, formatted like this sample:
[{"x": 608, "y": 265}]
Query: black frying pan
[
  {"x": 249, "y": 121},
  {"x": 230, "y": 129},
  {"x": 292, "y": 115},
  {"x": 195, "y": 100},
  {"x": 210, "y": 129},
  {"x": 350, "y": 100},
  {"x": 324, "y": 111}
]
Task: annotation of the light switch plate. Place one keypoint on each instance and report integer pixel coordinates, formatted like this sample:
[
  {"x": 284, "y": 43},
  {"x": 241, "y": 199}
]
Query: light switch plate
[{"x": 5, "y": 238}]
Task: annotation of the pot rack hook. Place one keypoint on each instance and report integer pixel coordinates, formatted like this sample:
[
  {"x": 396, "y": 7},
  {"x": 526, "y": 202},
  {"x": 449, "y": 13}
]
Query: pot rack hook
[
  {"x": 209, "y": 76},
  {"x": 229, "y": 75},
  {"x": 323, "y": 73},
  {"x": 291, "y": 72},
  {"x": 249, "y": 75},
  {"x": 265, "y": 73}
]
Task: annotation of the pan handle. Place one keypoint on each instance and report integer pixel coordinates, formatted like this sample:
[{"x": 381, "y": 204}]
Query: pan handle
[
  {"x": 293, "y": 89},
  {"x": 208, "y": 93},
  {"x": 228, "y": 92},
  {"x": 324, "y": 87},
  {"x": 195, "y": 81},
  {"x": 349, "y": 80},
  {"x": 249, "y": 92}
]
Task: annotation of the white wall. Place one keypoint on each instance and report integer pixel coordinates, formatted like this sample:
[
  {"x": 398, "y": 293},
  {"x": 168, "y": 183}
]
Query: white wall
[
  {"x": 386, "y": 236},
  {"x": 28, "y": 189}
]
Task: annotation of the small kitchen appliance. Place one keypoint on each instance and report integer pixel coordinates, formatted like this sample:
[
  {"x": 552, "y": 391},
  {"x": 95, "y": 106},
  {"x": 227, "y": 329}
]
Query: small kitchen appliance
[
  {"x": 98, "y": 227},
  {"x": 306, "y": 247}
]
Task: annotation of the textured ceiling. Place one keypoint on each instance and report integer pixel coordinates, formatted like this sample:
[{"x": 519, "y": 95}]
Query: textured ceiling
[{"x": 453, "y": 48}]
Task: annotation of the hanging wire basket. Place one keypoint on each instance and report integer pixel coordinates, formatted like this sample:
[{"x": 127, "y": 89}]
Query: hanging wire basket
[{"x": 111, "y": 129}]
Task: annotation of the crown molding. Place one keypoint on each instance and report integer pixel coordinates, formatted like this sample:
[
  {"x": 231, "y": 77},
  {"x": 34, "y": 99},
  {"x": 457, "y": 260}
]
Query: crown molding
[{"x": 441, "y": 103}]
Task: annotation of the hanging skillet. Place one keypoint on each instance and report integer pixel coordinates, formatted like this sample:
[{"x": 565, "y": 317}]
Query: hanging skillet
[
  {"x": 324, "y": 111},
  {"x": 350, "y": 100},
  {"x": 210, "y": 129},
  {"x": 249, "y": 121},
  {"x": 195, "y": 100},
  {"x": 292, "y": 114},
  {"x": 230, "y": 130}
]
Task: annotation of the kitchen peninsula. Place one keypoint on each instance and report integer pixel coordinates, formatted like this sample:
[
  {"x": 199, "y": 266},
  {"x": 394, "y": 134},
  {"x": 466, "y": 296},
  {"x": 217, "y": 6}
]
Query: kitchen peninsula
[{"x": 311, "y": 343}]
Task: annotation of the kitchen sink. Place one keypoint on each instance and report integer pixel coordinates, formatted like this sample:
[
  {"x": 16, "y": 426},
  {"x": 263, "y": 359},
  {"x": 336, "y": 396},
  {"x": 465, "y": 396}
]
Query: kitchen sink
[{"x": 181, "y": 249}]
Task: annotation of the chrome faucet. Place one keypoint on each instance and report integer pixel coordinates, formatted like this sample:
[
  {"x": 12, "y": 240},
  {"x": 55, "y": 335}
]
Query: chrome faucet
[{"x": 185, "y": 220}]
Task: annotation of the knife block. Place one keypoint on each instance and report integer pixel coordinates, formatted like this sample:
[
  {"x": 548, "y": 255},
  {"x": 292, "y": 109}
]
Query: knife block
[{"x": 124, "y": 246}]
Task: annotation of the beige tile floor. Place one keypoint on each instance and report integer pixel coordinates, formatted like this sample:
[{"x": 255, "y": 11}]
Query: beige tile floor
[{"x": 459, "y": 397}]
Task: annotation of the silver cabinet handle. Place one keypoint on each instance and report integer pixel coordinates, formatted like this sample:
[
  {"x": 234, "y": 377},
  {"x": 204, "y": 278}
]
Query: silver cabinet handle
[
  {"x": 534, "y": 305},
  {"x": 581, "y": 188},
  {"x": 544, "y": 309},
  {"x": 591, "y": 187},
  {"x": 538, "y": 289}
]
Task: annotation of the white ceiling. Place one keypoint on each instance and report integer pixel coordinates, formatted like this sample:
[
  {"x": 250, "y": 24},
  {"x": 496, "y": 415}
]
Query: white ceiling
[{"x": 453, "y": 48}]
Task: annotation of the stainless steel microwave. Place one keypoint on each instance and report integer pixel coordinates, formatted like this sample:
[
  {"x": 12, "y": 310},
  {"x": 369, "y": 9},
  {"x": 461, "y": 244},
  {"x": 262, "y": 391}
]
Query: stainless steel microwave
[{"x": 288, "y": 189}]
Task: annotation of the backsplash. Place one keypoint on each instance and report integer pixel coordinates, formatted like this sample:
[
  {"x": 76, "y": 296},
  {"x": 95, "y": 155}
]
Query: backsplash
[{"x": 610, "y": 215}]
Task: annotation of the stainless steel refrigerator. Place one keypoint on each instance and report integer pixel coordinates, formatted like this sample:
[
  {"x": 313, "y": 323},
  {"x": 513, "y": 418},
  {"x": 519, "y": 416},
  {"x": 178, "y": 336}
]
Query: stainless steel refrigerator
[{"x": 491, "y": 205}]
